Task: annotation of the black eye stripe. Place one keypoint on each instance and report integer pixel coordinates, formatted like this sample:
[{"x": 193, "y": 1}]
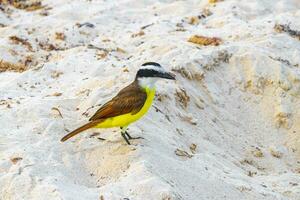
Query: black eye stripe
[
  {"x": 151, "y": 63},
  {"x": 147, "y": 73}
]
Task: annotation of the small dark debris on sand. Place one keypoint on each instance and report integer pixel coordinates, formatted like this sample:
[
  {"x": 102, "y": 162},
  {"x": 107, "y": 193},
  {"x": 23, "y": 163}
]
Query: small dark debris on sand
[
  {"x": 7, "y": 66},
  {"x": 87, "y": 24},
  {"x": 182, "y": 153},
  {"x": 15, "y": 160},
  {"x": 203, "y": 40},
  {"x": 182, "y": 97},
  {"x": 28, "y": 5},
  {"x": 17, "y": 40},
  {"x": 286, "y": 28}
]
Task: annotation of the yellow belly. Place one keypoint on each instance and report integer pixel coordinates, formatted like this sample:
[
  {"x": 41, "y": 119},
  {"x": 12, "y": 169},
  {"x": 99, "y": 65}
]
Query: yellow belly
[{"x": 126, "y": 119}]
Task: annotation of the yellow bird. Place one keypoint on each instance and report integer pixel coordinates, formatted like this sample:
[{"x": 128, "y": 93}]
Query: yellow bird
[{"x": 130, "y": 104}]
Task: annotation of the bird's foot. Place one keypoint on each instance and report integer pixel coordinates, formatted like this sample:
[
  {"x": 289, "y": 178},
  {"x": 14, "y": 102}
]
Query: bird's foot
[
  {"x": 132, "y": 138},
  {"x": 128, "y": 137}
]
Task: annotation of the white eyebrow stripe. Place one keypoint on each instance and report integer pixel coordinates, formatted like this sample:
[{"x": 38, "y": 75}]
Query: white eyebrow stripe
[{"x": 155, "y": 68}]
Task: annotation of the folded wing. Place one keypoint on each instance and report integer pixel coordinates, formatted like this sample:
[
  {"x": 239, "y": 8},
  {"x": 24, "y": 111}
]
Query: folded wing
[{"x": 129, "y": 100}]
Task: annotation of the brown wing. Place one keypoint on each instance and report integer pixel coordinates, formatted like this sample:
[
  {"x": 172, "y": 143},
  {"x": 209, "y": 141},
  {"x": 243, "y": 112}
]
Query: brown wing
[{"x": 129, "y": 100}]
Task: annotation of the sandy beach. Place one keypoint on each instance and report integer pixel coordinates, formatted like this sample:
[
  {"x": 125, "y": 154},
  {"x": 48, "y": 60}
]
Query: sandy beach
[{"x": 227, "y": 128}]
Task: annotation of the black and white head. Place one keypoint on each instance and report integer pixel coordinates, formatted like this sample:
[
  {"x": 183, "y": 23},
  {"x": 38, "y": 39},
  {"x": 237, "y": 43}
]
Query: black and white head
[{"x": 150, "y": 72}]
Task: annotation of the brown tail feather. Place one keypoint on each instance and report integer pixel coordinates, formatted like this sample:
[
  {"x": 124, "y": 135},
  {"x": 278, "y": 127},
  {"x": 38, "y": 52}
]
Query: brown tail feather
[{"x": 80, "y": 129}]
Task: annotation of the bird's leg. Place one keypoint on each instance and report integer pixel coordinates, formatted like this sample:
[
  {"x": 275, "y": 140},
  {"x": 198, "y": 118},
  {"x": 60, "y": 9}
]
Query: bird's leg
[
  {"x": 126, "y": 135},
  {"x": 123, "y": 133},
  {"x": 132, "y": 138},
  {"x": 124, "y": 130},
  {"x": 125, "y": 138}
]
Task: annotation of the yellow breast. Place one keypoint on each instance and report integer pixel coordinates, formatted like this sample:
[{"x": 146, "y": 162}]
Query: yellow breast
[{"x": 126, "y": 119}]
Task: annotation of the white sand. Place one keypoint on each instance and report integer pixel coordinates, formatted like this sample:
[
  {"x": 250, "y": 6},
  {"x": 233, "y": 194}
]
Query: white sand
[{"x": 243, "y": 115}]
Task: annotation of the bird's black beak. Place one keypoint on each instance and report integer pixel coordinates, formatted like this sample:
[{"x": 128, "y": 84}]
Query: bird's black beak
[{"x": 167, "y": 75}]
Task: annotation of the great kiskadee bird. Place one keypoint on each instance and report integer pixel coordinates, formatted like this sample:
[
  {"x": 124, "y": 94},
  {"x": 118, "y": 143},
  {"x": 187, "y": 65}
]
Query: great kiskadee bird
[{"x": 130, "y": 104}]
